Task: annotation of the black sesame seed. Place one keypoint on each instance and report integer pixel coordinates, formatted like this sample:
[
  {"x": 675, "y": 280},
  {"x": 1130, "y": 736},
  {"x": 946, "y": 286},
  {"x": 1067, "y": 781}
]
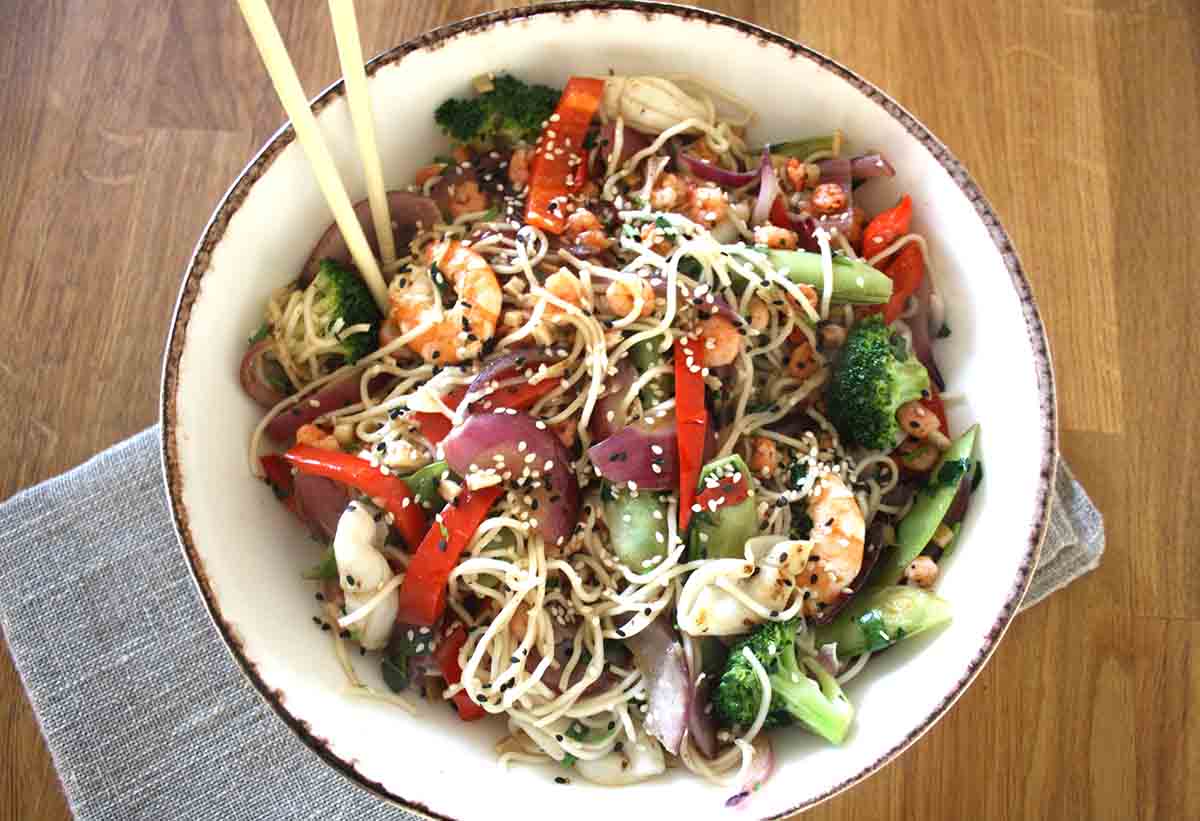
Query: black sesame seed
[
  {"x": 812, "y": 579},
  {"x": 558, "y": 779}
]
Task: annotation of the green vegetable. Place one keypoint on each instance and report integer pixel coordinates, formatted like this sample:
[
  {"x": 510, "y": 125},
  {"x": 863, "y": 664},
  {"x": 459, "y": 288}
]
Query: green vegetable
[
  {"x": 956, "y": 528},
  {"x": 930, "y": 507},
  {"x": 324, "y": 569},
  {"x": 943, "y": 331},
  {"x": 853, "y": 281},
  {"x": 635, "y": 524},
  {"x": 722, "y": 533},
  {"x": 869, "y": 384},
  {"x": 804, "y": 148},
  {"x": 512, "y": 112},
  {"x": 879, "y": 618},
  {"x": 395, "y": 672},
  {"x": 801, "y": 689},
  {"x": 341, "y": 294},
  {"x": 424, "y": 485},
  {"x": 647, "y": 354},
  {"x": 260, "y": 334}
]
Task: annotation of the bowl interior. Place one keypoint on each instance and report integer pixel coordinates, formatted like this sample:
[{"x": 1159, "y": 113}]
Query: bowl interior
[{"x": 248, "y": 552}]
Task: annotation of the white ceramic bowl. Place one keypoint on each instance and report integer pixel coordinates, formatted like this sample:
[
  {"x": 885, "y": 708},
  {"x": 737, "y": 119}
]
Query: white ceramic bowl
[{"x": 247, "y": 553}]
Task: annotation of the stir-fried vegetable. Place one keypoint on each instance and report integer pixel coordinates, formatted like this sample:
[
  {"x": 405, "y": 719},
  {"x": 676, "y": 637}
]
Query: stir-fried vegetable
[
  {"x": 870, "y": 381},
  {"x": 423, "y": 594},
  {"x": 637, "y": 525},
  {"x": 854, "y": 281},
  {"x": 887, "y": 227},
  {"x": 447, "y": 661},
  {"x": 801, "y": 689},
  {"x": 727, "y": 517},
  {"x": 511, "y": 112},
  {"x": 691, "y": 421},
  {"x": 388, "y": 490},
  {"x": 559, "y": 161},
  {"x": 880, "y": 618},
  {"x": 932, "y": 502}
]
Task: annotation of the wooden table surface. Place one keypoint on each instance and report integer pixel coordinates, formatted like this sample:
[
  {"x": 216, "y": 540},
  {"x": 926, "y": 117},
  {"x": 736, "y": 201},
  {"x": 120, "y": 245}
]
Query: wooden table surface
[{"x": 124, "y": 121}]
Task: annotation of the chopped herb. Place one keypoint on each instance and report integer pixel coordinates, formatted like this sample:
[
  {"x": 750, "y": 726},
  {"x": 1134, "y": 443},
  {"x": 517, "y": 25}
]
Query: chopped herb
[
  {"x": 260, "y": 334},
  {"x": 943, "y": 331},
  {"x": 950, "y": 472}
]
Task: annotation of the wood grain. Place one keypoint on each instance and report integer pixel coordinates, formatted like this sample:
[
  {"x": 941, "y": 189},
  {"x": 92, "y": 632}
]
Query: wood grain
[{"x": 124, "y": 120}]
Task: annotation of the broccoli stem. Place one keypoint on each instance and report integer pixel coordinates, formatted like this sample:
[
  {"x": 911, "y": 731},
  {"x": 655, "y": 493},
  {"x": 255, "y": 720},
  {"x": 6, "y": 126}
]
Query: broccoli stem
[
  {"x": 817, "y": 702},
  {"x": 853, "y": 281}
]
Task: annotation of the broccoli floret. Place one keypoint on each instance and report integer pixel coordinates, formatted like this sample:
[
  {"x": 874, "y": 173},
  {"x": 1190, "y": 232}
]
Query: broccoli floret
[
  {"x": 872, "y": 378},
  {"x": 511, "y": 111},
  {"x": 341, "y": 294},
  {"x": 801, "y": 689}
]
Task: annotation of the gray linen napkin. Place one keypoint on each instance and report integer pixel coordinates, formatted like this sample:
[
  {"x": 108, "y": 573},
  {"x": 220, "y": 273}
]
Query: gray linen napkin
[{"x": 144, "y": 712}]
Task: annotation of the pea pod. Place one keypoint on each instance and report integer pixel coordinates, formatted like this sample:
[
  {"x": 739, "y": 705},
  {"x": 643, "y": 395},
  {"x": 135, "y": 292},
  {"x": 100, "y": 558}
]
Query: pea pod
[
  {"x": 721, "y": 533},
  {"x": 932, "y": 502},
  {"x": 424, "y": 485},
  {"x": 646, "y": 355},
  {"x": 637, "y": 525},
  {"x": 854, "y": 281},
  {"x": 880, "y": 618},
  {"x": 804, "y": 148}
]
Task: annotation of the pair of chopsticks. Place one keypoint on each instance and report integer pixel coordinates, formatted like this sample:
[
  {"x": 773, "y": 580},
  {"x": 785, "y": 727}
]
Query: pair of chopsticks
[{"x": 291, "y": 95}]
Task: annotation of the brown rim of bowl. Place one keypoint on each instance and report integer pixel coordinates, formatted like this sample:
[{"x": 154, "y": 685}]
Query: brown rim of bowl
[{"x": 236, "y": 194}]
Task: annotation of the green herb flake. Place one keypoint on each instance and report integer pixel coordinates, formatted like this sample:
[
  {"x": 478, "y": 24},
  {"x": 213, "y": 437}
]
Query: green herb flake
[
  {"x": 260, "y": 334},
  {"x": 874, "y": 631},
  {"x": 951, "y": 471},
  {"x": 943, "y": 331}
]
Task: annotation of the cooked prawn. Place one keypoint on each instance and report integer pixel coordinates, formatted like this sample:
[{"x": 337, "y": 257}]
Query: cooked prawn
[
  {"x": 315, "y": 436},
  {"x": 722, "y": 342},
  {"x": 622, "y": 300},
  {"x": 564, "y": 286},
  {"x": 467, "y": 198},
  {"x": 459, "y": 332},
  {"x": 670, "y": 192},
  {"x": 920, "y": 422},
  {"x": 764, "y": 456},
  {"x": 518, "y": 168},
  {"x": 363, "y": 571},
  {"x": 802, "y": 362},
  {"x": 584, "y": 228},
  {"x": 838, "y": 535},
  {"x": 773, "y": 236},
  {"x": 708, "y": 205}
]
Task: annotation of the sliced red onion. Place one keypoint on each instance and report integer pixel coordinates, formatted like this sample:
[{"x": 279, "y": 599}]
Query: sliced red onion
[
  {"x": 253, "y": 377},
  {"x": 659, "y": 656},
  {"x": 862, "y": 167},
  {"x": 762, "y": 764},
  {"x": 609, "y": 416},
  {"x": 633, "y": 453},
  {"x": 514, "y": 443},
  {"x": 711, "y": 172},
  {"x": 334, "y": 396},
  {"x": 321, "y": 503},
  {"x": 922, "y": 342},
  {"x": 631, "y": 141},
  {"x": 406, "y": 209},
  {"x": 508, "y": 365},
  {"x": 768, "y": 189}
]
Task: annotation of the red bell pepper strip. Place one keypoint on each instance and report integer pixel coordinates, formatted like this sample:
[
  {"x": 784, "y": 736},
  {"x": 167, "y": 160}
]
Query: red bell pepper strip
[
  {"x": 389, "y": 490},
  {"x": 446, "y": 656},
  {"x": 423, "y": 593},
  {"x": 691, "y": 421},
  {"x": 279, "y": 477},
  {"x": 435, "y": 426},
  {"x": 905, "y": 271},
  {"x": 560, "y": 155},
  {"x": 887, "y": 227},
  {"x": 779, "y": 215}
]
